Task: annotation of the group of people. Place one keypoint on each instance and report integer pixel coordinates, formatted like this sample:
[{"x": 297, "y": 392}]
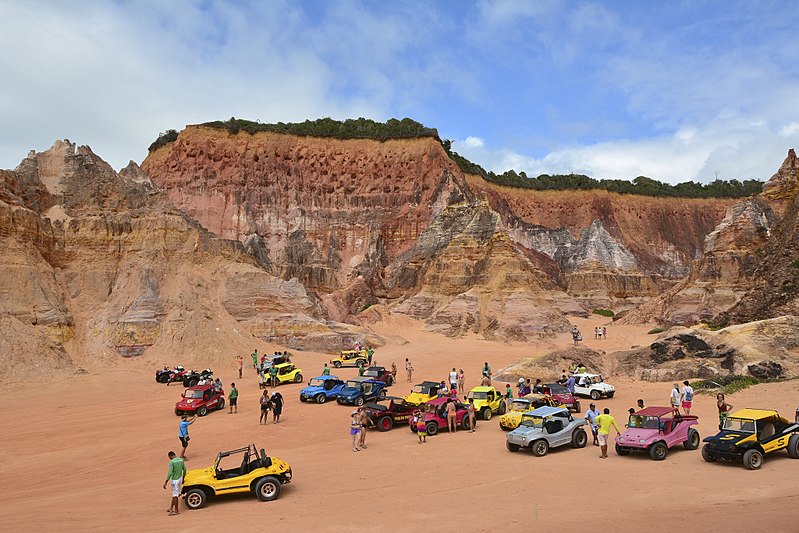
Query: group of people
[
  {"x": 600, "y": 332},
  {"x": 272, "y": 403},
  {"x": 682, "y": 397}
]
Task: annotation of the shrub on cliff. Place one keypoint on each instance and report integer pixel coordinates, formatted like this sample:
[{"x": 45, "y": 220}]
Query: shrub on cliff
[{"x": 163, "y": 139}]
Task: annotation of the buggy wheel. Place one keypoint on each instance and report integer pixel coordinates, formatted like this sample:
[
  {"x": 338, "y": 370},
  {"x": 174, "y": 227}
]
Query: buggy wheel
[
  {"x": 432, "y": 428},
  {"x": 178, "y": 411},
  {"x": 163, "y": 378},
  {"x": 579, "y": 438},
  {"x": 512, "y": 447},
  {"x": 621, "y": 451},
  {"x": 390, "y": 381},
  {"x": 692, "y": 442},
  {"x": 337, "y": 364},
  {"x": 793, "y": 446},
  {"x": 611, "y": 393},
  {"x": 577, "y": 406},
  {"x": 540, "y": 448},
  {"x": 465, "y": 423},
  {"x": 381, "y": 395},
  {"x": 658, "y": 451},
  {"x": 385, "y": 423},
  {"x": 360, "y": 362},
  {"x": 321, "y": 398},
  {"x": 753, "y": 459},
  {"x": 267, "y": 488},
  {"x": 706, "y": 455},
  {"x": 221, "y": 403},
  {"x": 486, "y": 413},
  {"x": 202, "y": 410},
  {"x": 193, "y": 382},
  {"x": 359, "y": 401},
  {"x": 595, "y": 395},
  {"x": 298, "y": 378},
  {"x": 502, "y": 408},
  {"x": 195, "y": 498},
  {"x": 302, "y": 398}
]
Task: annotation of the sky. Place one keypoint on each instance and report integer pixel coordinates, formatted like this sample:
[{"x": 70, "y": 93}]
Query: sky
[{"x": 676, "y": 91}]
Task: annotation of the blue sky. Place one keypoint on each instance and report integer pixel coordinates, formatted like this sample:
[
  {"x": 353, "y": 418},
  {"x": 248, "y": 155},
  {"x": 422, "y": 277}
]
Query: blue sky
[{"x": 670, "y": 90}]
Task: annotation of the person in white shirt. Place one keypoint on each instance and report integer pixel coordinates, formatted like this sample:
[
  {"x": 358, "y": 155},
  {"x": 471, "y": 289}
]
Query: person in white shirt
[
  {"x": 453, "y": 380},
  {"x": 675, "y": 397},
  {"x": 687, "y": 397}
]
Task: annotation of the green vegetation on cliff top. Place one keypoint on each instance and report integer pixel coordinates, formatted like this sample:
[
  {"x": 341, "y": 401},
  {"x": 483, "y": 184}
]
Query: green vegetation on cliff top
[{"x": 364, "y": 128}]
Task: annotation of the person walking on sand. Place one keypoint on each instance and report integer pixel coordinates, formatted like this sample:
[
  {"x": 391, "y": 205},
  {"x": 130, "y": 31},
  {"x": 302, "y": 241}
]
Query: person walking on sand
[
  {"x": 273, "y": 376},
  {"x": 265, "y": 405},
  {"x": 486, "y": 370},
  {"x": 421, "y": 426},
  {"x": 240, "y": 364},
  {"x": 461, "y": 381},
  {"x": 369, "y": 354},
  {"x": 360, "y": 368},
  {"x": 277, "y": 407},
  {"x": 365, "y": 422},
  {"x": 355, "y": 429},
  {"x": 255, "y": 359},
  {"x": 183, "y": 433},
  {"x": 604, "y": 333},
  {"x": 175, "y": 475},
  {"x": 233, "y": 399},
  {"x": 326, "y": 370},
  {"x": 590, "y": 419},
  {"x": 570, "y": 383},
  {"x": 724, "y": 409},
  {"x": 394, "y": 370},
  {"x": 509, "y": 395},
  {"x": 451, "y": 416},
  {"x": 408, "y": 369},
  {"x": 687, "y": 397},
  {"x": 453, "y": 379},
  {"x": 472, "y": 414},
  {"x": 603, "y": 422},
  {"x": 576, "y": 335},
  {"x": 674, "y": 399}
]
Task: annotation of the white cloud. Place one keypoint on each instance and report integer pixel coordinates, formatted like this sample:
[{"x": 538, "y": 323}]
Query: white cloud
[
  {"x": 790, "y": 129},
  {"x": 474, "y": 142}
]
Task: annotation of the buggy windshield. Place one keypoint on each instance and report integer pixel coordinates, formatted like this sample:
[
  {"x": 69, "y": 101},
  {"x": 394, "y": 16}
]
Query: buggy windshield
[
  {"x": 354, "y": 384},
  {"x": 477, "y": 395},
  {"x": 316, "y": 382},
  {"x": 421, "y": 389},
  {"x": 193, "y": 394},
  {"x": 532, "y": 421},
  {"x": 519, "y": 405},
  {"x": 643, "y": 422},
  {"x": 740, "y": 424},
  {"x": 371, "y": 373}
]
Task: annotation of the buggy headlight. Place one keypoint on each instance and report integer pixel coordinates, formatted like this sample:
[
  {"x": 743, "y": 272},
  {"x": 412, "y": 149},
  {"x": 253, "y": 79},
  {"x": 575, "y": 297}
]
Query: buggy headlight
[{"x": 641, "y": 441}]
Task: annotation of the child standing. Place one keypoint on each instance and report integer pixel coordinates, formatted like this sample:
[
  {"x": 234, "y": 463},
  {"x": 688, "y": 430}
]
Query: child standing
[{"x": 421, "y": 427}]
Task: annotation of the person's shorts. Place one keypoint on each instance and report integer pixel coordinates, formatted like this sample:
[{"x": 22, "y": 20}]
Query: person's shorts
[
  {"x": 594, "y": 431},
  {"x": 264, "y": 408},
  {"x": 277, "y": 412},
  {"x": 686, "y": 405},
  {"x": 184, "y": 440},
  {"x": 234, "y": 401},
  {"x": 602, "y": 438},
  {"x": 354, "y": 431},
  {"x": 177, "y": 485}
]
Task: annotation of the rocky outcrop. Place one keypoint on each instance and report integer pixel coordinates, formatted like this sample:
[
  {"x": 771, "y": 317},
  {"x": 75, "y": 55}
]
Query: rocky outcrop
[
  {"x": 98, "y": 263},
  {"x": 551, "y": 366}
]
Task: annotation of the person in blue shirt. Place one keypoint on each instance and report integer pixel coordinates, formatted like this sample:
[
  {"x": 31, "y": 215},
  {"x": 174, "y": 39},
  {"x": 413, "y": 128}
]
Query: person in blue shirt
[
  {"x": 570, "y": 383},
  {"x": 590, "y": 419},
  {"x": 183, "y": 433}
]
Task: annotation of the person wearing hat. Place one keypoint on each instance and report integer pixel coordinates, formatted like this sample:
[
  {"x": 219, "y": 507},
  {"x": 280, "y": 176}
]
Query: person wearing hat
[
  {"x": 520, "y": 386},
  {"x": 675, "y": 397},
  {"x": 590, "y": 419}
]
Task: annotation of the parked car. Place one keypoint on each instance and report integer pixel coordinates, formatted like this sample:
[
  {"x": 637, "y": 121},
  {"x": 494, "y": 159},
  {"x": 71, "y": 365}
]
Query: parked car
[
  {"x": 200, "y": 399},
  {"x": 250, "y": 471},
  {"x": 170, "y": 375},
  {"x": 273, "y": 360},
  {"x": 655, "y": 430},
  {"x": 361, "y": 390},
  {"x": 749, "y": 434},
  {"x": 386, "y": 416},
  {"x": 350, "y": 358},
  {"x": 487, "y": 401},
  {"x": 288, "y": 373},
  {"x": 422, "y": 392},
  {"x": 593, "y": 386},
  {"x": 192, "y": 378},
  {"x": 380, "y": 373},
  {"x": 322, "y": 388},
  {"x": 545, "y": 428},
  {"x": 436, "y": 416},
  {"x": 519, "y": 406},
  {"x": 562, "y": 395}
]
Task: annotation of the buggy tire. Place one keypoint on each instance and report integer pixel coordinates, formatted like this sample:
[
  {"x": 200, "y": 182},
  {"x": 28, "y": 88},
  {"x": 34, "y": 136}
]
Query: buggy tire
[
  {"x": 432, "y": 428},
  {"x": 693, "y": 440},
  {"x": 611, "y": 393},
  {"x": 390, "y": 381},
  {"x": 321, "y": 398},
  {"x": 753, "y": 459},
  {"x": 512, "y": 447},
  {"x": 178, "y": 411},
  {"x": 360, "y": 362},
  {"x": 220, "y": 404},
  {"x": 195, "y": 498},
  {"x": 577, "y": 406},
  {"x": 621, "y": 451},
  {"x": 302, "y": 398},
  {"x": 595, "y": 395},
  {"x": 579, "y": 438},
  {"x": 359, "y": 401},
  {"x": 706, "y": 455},
  {"x": 337, "y": 364},
  {"x": 298, "y": 378},
  {"x": 381, "y": 395},
  {"x": 267, "y": 488},
  {"x": 540, "y": 448},
  {"x": 465, "y": 423},
  {"x": 386, "y": 423},
  {"x": 193, "y": 382},
  {"x": 202, "y": 410},
  {"x": 658, "y": 451},
  {"x": 163, "y": 378},
  {"x": 793, "y": 446},
  {"x": 485, "y": 413},
  {"x": 502, "y": 408}
]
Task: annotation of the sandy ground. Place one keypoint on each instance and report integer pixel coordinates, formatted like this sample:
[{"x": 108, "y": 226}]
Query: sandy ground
[{"x": 90, "y": 452}]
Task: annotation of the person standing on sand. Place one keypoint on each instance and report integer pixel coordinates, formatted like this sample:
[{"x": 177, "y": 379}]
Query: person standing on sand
[
  {"x": 326, "y": 370},
  {"x": 472, "y": 416},
  {"x": 576, "y": 337},
  {"x": 687, "y": 397},
  {"x": 233, "y": 399},
  {"x": 674, "y": 399},
  {"x": 265, "y": 405},
  {"x": 451, "y": 417},
  {"x": 355, "y": 429},
  {"x": 461, "y": 381},
  {"x": 570, "y": 383},
  {"x": 486, "y": 370},
  {"x": 176, "y": 474},
  {"x": 369, "y": 354},
  {"x": 408, "y": 369},
  {"x": 603, "y": 422},
  {"x": 421, "y": 426},
  {"x": 360, "y": 369},
  {"x": 277, "y": 407},
  {"x": 183, "y": 433},
  {"x": 365, "y": 422},
  {"x": 453, "y": 379},
  {"x": 604, "y": 332},
  {"x": 508, "y": 395},
  {"x": 724, "y": 409},
  {"x": 255, "y": 359},
  {"x": 590, "y": 419},
  {"x": 240, "y": 364},
  {"x": 394, "y": 370},
  {"x": 273, "y": 376}
]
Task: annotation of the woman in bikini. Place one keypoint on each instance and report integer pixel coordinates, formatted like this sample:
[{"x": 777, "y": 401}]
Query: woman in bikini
[
  {"x": 355, "y": 429},
  {"x": 724, "y": 409}
]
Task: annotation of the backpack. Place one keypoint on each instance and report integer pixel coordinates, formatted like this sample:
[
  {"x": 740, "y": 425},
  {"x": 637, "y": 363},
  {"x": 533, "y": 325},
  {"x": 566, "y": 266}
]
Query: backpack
[{"x": 689, "y": 395}]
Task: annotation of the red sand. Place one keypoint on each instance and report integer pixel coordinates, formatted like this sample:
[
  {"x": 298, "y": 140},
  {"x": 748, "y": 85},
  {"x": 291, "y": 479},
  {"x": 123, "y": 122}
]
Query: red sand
[{"x": 90, "y": 452}]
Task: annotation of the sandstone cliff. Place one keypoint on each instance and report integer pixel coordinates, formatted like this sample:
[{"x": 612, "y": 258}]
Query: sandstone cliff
[{"x": 98, "y": 264}]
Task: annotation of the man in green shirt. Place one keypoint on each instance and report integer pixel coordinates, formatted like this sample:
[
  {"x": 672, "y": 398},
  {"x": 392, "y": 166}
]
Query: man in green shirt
[
  {"x": 360, "y": 369},
  {"x": 326, "y": 370},
  {"x": 175, "y": 475},
  {"x": 273, "y": 375},
  {"x": 255, "y": 359},
  {"x": 369, "y": 354},
  {"x": 233, "y": 399}
]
